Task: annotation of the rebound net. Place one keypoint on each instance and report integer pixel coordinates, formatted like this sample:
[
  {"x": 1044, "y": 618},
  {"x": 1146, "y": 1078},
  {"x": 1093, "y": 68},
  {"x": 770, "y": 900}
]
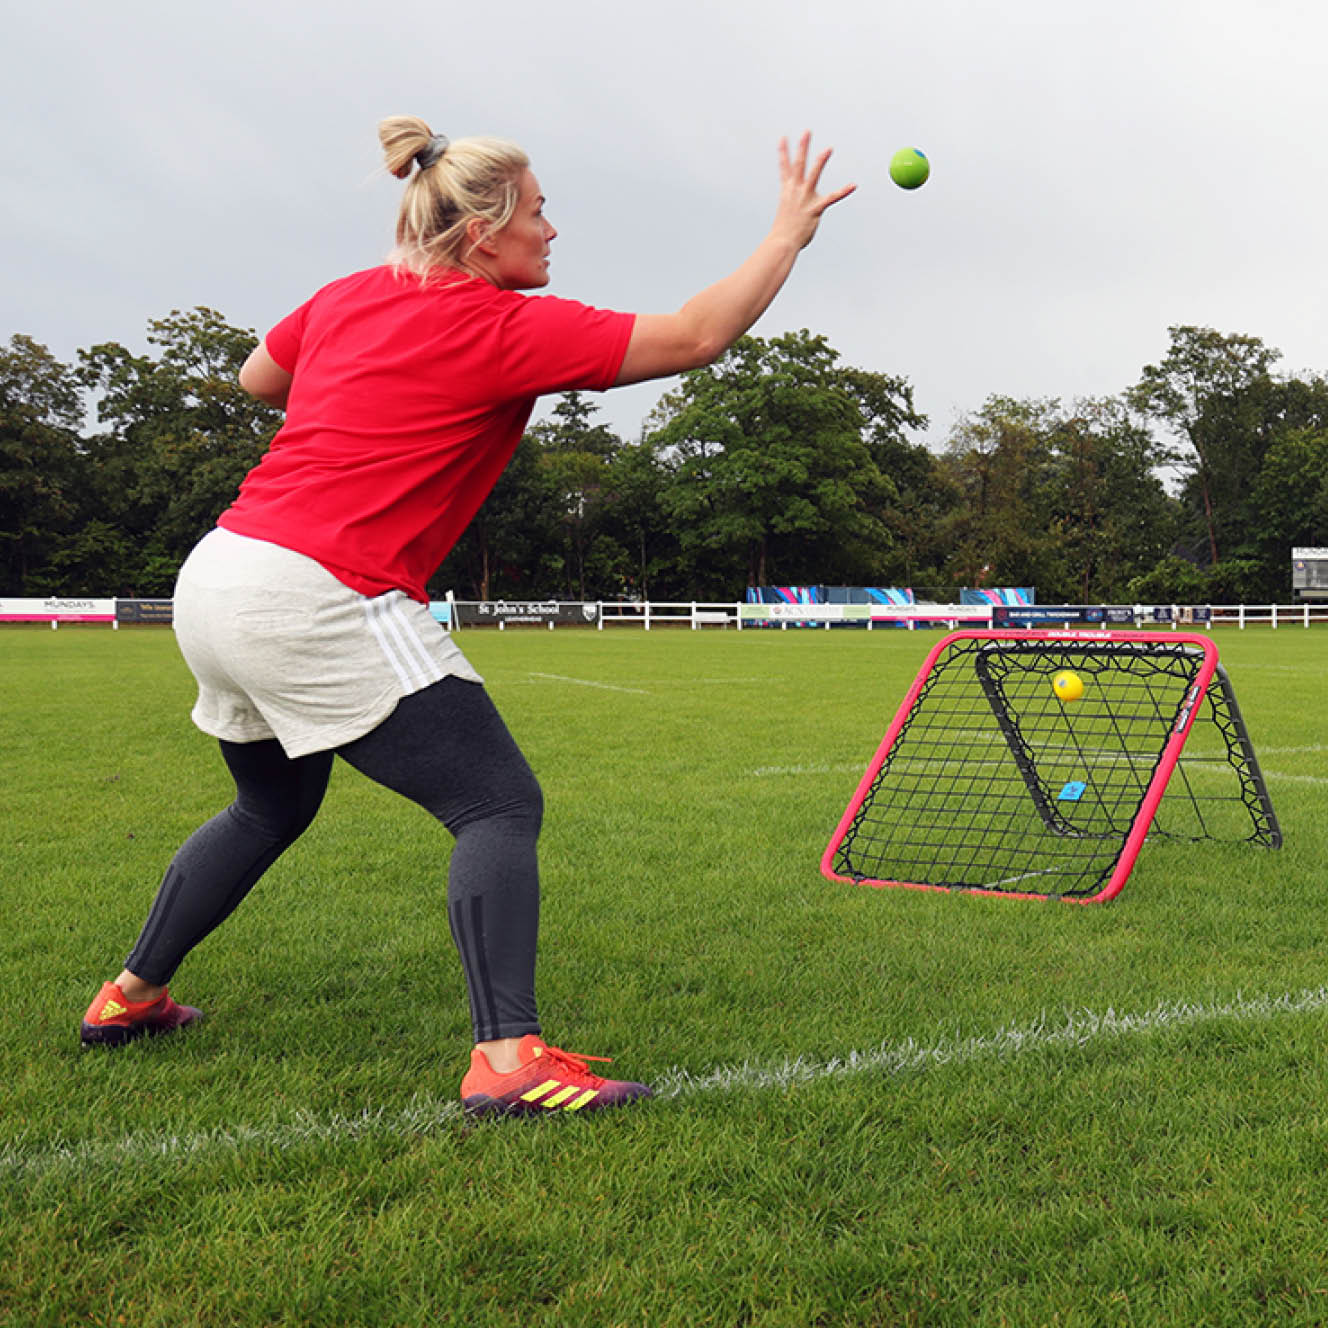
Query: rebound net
[{"x": 988, "y": 780}]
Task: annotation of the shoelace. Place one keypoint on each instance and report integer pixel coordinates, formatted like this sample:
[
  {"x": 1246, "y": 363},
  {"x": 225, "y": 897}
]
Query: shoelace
[{"x": 575, "y": 1062}]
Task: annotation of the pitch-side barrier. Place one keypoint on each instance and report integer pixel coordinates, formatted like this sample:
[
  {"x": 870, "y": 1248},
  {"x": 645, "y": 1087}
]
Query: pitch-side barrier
[{"x": 699, "y": 614}]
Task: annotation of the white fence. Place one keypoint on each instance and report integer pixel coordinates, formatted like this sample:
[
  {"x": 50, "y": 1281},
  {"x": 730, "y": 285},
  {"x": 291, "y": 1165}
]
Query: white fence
[
  {"x": 1275, "y": 615},
  {"x": 698, "y": 614}
]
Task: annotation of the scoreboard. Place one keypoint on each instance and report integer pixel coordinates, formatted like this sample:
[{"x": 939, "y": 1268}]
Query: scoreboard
[{"x": 1309, "y": 573}]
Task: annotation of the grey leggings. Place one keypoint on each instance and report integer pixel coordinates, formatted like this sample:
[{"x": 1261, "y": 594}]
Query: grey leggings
[{"x": 446, "y": 748}]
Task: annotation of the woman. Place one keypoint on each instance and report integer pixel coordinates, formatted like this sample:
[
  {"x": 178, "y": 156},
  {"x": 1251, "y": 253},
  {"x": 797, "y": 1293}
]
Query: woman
[{"x": 304, "y": 616}]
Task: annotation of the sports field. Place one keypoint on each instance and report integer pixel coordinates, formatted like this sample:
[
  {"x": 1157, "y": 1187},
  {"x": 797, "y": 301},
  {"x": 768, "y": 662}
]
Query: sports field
[{"x": 875, "y": 1106}]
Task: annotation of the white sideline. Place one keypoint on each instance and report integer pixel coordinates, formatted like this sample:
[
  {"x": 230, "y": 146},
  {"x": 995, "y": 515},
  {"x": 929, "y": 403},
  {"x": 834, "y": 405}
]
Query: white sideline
[
  {"x": 585, "y": 682},
  {"x": 427, "y": 1115},
  {"x": 1073, "y": 1029},
  {"x": 636, "y": 691}
]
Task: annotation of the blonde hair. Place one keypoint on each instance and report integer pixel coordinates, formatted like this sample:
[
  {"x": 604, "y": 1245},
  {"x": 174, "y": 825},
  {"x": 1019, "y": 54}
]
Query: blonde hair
[{"x": 448, "y": 184}]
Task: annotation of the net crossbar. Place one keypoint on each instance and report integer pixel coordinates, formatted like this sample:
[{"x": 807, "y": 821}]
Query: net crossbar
[{"x": 989, "y": 780}]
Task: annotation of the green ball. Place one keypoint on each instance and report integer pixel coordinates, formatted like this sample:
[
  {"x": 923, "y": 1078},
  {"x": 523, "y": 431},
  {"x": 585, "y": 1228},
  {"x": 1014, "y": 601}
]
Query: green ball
[{"x": 909, "y": 168}]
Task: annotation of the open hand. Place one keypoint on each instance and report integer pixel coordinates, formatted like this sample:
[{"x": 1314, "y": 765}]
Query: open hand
[{"x": 800, "y": 205}]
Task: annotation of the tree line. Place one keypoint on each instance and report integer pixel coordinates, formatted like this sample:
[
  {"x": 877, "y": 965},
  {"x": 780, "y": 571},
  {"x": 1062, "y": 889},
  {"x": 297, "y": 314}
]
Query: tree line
[{"x": 778, "y": 464}]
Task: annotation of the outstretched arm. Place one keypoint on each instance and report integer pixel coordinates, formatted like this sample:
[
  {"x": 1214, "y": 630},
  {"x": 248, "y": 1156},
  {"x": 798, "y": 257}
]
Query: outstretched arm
[{"x": 709, "y": 323}]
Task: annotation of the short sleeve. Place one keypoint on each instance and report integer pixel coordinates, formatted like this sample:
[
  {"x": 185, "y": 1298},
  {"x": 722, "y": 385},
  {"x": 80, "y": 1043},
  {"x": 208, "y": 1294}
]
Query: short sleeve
[
  {"x": 283, "y": 341},
  {"x": 556, "y": 345}
]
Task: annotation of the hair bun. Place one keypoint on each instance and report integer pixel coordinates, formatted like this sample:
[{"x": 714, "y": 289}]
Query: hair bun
[
  {"x": 402, "y": 137},
  {"x": 431, "y": 151}
]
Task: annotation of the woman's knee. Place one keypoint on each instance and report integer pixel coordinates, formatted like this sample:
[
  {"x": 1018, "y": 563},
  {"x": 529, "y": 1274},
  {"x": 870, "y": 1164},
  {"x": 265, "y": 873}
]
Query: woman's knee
[
  {"x": 519, "y": 800},
  {"x": 531, "y": 801},
  {"x": 276, "y": 797}
]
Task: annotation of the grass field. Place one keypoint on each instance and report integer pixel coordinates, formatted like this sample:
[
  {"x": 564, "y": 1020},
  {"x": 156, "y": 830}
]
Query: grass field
[{"x": 875, "y": 1106}]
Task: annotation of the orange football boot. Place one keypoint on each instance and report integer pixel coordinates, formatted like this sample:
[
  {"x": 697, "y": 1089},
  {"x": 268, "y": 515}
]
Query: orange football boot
[
  {"x": 548, "y": 1081},
  {"x": 113, "y": 1019}
]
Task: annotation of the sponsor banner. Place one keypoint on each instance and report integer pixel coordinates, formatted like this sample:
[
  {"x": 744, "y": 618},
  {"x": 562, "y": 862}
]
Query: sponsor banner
[
  {"x": 785, "y": 612},
  {"x": 1183, "y": 613},
  {"x": 923, "y": 614},
  {"x": 786, "y": 595},
  {"x": 472, "y": 614},
  {"x": 144, "y": 610},
  {"x": 1023, "y": 615},
  {"x": 1009, "y": 595},
  {"x": 57, "y": 609},
  {"x": 441, "y": 610}
]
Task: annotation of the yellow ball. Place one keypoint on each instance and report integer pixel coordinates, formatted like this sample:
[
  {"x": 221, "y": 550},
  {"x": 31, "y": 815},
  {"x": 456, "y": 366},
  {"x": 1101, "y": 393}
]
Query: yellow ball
[{"x": 1068, "y": 686}]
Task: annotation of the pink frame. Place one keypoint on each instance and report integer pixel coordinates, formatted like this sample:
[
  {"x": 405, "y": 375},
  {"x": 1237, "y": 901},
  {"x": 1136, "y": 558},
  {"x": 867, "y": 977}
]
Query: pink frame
[{"x": 1138, "y": 830}]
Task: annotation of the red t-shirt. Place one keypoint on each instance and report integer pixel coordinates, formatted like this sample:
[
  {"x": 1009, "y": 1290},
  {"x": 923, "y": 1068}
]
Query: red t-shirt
[{"x": 407, "y": 401}]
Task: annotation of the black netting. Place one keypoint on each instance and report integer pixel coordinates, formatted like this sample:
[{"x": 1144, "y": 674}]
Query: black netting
[{"x": 995, "y": 782}]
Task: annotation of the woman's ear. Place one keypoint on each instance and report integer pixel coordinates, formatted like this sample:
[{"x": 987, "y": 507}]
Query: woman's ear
[{"x": 478, "y": 234}]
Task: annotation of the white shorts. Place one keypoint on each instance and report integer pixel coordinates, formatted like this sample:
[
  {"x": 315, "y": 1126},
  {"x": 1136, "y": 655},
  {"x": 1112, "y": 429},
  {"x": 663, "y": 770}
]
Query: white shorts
[{"x": 282, "y": 649}]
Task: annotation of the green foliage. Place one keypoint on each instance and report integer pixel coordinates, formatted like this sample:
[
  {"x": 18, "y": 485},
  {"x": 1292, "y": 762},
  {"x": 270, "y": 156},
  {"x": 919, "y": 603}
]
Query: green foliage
[
  {"x": 180, "y": 434},
  {"x": 774, "y": 455},
  {"x": 1174, "y": 580},
  {"x": 1291, "y": 495},
  {"x": 777, "y": 464},
  {"x": 1213, "y": 391},
  {"x": 40, "y": 411},
  {"x": 1067, "y": 502},
  {"x": 1237, "y": 580},
  {"x": 116, "y": 511}
]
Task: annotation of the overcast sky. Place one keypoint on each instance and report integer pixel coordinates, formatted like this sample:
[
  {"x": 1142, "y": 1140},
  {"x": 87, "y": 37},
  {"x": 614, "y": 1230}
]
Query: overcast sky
[{"x": 1099, "y": 170}]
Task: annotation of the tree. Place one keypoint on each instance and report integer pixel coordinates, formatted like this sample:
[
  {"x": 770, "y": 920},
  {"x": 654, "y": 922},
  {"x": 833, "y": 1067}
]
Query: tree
[
  {"x": 182, "y": 435},
  {"x": 1110, "y": 516},
  {"x": 1291, "y": 498},
  {"x": 1211, "y": 390},
  {"x": 576, "y": 457},
  {"x": 634, "y": 517},
  {"x": 1000, "y": 460},
  {"x": 924, "y": 492},
  {"x": 1068, "y": 502},
  {"x": 1174, "y": 580},
  {"x": 769, "y": 453},
  {"x": 40, "y": 411}
]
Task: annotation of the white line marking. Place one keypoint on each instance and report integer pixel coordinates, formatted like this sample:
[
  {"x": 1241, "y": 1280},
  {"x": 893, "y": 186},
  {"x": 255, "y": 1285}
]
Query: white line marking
[
  {"x": 585, "y": 682},
  {"x": 421, "y": 1116},
  {"x": 715, "y": 682},
  {"x": 1072, "y": 1029},
  {"x": 844, "y": 768},
  {"x": 1295, "y": 779},
  {"x": 1025, "y": 876},
  {"x": 636, "y": 691},
  {"x": 427, "y": 1115}
]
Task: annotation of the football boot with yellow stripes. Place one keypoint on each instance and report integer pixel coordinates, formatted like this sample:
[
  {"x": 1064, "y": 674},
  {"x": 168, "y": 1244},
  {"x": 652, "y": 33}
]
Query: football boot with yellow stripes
[
  {"x": 548, "y": 1081},
  {"x": 113, "y": 1019}
]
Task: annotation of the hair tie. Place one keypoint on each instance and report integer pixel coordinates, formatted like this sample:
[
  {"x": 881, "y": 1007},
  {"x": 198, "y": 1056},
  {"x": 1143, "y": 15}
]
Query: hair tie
[{"x": 431, "y": 151}]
